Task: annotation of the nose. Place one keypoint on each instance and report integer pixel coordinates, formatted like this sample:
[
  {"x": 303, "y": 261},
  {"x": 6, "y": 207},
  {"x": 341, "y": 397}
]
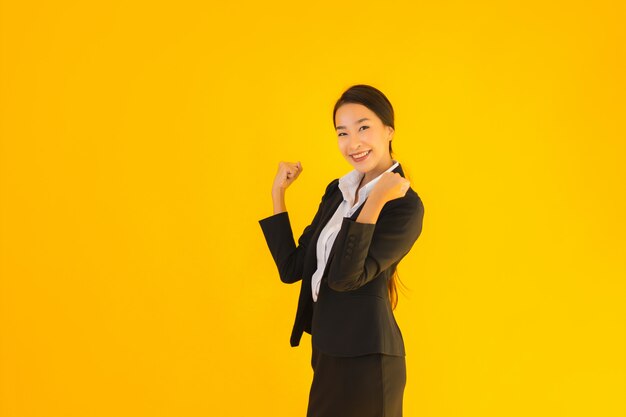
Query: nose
[{"x": 355, "y": 143}]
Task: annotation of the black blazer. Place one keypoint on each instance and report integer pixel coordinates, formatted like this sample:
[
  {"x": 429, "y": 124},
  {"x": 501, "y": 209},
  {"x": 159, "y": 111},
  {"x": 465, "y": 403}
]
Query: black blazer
[{"x": 352, "y": 315}]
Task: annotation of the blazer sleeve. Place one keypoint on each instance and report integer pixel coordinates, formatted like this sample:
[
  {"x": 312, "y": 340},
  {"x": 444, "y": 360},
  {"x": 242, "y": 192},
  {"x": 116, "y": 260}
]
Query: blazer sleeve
[
  {"x": 364, "y": 250},
  {"x": 288, "y": 257}
]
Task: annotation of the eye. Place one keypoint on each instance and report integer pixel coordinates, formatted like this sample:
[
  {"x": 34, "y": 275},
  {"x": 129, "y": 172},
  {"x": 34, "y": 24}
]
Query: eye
[{"x": 365, "y": 126}]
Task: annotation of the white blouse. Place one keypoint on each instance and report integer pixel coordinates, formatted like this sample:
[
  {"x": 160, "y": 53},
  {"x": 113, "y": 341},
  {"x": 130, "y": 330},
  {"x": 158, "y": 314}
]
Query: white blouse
[{"x": 348, "y": 185}]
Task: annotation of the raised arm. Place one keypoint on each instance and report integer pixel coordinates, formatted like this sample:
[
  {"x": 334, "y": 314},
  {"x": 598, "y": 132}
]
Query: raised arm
[
  {"x": 364, "y": 250},
  {"x": 386, "y": 229},
  {"x": 288, "y": 257},
  {"x": 287, "y": 173}
]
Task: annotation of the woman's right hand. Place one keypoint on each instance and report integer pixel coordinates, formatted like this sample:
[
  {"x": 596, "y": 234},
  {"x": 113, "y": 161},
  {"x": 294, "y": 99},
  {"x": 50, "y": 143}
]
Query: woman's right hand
[{"x": 286, "y": 175}]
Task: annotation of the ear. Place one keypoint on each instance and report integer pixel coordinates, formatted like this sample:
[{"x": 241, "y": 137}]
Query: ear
[{"x": 391, "y": 132}]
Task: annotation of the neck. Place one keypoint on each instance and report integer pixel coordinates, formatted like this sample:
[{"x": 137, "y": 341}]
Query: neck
[{"x": 370, "y": 175}]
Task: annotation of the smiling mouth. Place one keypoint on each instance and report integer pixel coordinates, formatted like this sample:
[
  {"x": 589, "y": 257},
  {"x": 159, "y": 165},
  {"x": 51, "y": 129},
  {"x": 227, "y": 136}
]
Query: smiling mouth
[{"x": 360, "y": 156}]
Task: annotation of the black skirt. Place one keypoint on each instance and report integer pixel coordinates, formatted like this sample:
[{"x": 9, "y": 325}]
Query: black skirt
[{"x": 359, "y": 386}]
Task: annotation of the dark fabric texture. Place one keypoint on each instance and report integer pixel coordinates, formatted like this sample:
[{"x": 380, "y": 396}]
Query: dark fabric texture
[
  {"x": 353, "y": 314},
  {"x": 359, "y": 386}
]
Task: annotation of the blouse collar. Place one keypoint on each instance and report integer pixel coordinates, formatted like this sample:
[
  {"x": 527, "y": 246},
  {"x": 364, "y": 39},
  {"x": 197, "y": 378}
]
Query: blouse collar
[{"x": 350, "y": 181}]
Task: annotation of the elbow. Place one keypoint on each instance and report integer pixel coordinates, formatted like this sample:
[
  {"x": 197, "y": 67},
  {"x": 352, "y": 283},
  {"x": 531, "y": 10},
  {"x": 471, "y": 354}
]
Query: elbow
[
  {"x": 288, "y": 279},
  {"x": 289, "y": 272},
  {"x": 345, "y": 280},
  {"x": 341, "y": 285},
  {"x": 289, "y": 276}
]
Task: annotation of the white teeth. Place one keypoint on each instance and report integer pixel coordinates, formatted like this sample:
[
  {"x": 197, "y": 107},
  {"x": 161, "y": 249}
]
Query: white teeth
[{"x": 357, "y": 156}]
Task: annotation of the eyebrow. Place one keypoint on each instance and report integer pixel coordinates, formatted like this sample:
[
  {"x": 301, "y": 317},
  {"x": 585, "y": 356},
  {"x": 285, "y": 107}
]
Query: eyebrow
[{"x": 357, "y": 122}]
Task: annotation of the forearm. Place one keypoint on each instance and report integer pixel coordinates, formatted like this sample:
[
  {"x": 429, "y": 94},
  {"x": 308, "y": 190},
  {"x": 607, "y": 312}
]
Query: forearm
[
  {"x": 278, "y": 198},
  {"x": 371, "y": 209},
  {"x": 362, "y": 251},
  {"x": 288, "y": 257}
]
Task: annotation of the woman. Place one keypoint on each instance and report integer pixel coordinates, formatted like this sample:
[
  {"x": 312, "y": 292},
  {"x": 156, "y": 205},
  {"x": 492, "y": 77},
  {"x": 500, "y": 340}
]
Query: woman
[{"x": 346, "y": 260}]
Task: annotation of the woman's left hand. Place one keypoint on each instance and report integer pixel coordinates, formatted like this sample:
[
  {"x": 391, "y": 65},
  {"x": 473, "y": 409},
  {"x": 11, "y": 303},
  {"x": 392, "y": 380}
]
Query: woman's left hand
[{"x": 390, "y": 186}]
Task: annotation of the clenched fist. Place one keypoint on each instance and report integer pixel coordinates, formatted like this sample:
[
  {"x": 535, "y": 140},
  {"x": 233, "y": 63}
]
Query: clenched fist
[
  {"x": 390, "y": 186},
  {"x": 286, "y": 175}
]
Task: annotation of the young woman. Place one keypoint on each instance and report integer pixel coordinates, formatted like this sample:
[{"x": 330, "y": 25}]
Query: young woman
[{"x": 346, "y": 260}]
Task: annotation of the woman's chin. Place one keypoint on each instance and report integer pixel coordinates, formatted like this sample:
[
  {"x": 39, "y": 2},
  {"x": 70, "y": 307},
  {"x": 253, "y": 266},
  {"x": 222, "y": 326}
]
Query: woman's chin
[
  {"x": 358, "y": 167},
  {"x": 363, "y": 166}
]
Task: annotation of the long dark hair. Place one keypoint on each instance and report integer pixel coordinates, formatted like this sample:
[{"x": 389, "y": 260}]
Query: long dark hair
[{"x": 376, "y": 101}]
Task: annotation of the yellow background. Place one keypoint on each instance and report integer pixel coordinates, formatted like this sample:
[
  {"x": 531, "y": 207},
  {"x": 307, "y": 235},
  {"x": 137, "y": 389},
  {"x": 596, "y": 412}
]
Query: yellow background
[{"x": 139, "y": 141}]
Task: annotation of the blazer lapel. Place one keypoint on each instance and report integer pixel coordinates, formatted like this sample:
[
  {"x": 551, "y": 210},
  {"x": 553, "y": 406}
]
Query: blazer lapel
[{"x": 329, "y": 209}]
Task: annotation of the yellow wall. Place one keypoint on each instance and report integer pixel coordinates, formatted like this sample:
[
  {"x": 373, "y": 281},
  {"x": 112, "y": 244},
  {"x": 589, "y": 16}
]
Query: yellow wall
[{"x": 138, "y": 147}]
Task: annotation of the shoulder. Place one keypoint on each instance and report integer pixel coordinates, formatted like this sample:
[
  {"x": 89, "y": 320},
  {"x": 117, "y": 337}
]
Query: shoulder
[
  {"x": 410, "y": 200},
  {"x": 415, "y": 200},
  {"x": 331, "y": 187},
  {"x": 410, "y": 206},
  {"x": 333, "y": 184}
]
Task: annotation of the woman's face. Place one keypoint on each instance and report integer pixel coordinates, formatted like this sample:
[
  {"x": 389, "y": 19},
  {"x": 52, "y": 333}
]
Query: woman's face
[{"x": 359, "y": 129}]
